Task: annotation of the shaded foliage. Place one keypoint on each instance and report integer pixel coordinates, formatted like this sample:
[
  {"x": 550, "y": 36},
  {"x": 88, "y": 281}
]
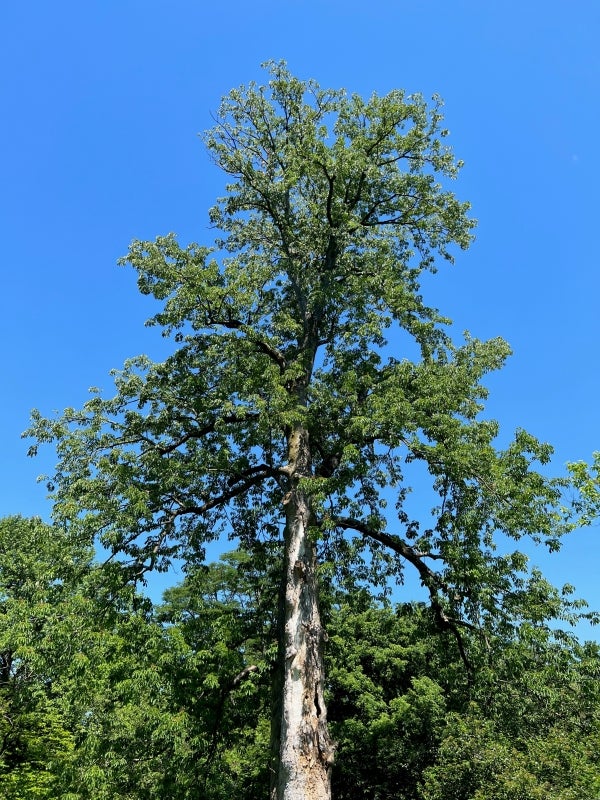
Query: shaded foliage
[{"x": 120, "y": 700}]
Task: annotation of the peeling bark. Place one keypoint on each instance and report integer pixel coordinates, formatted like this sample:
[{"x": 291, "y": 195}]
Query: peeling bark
[{"x": 304, "y": 751}]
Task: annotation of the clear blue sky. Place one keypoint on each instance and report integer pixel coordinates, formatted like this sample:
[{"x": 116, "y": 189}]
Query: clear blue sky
[{"x": 101, "y": 105}]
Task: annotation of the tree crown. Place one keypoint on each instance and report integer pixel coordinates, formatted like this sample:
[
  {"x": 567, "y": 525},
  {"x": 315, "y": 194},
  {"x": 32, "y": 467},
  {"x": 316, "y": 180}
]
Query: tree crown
[{"x": 293, "y": 321}]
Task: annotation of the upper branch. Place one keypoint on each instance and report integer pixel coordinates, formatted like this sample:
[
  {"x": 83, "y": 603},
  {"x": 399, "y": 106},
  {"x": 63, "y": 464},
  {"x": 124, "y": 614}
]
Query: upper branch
[
  {"x": 199, "y": 433},
  {"x": 259, "y": 474},
  {"x": 266, "y": 348}
]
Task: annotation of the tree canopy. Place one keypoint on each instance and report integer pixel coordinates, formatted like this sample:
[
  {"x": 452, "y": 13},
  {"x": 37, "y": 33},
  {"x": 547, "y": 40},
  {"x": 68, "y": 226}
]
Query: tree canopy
[{"x": 309, "y": 390}]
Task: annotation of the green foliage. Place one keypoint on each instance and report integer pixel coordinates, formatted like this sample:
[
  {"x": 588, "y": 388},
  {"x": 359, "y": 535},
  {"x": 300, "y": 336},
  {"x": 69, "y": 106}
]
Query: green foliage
[
  {"x": 408, "y": 719},
  {"x": 386, "y": 713},
  {"x": 305, "y": 315},
  {"x": 586, "y": 480},
  {"x": 478, "y": 762},
  {"x": 173, "y": 702},
  {"x": 36, "y": 744},
  {"x": 335, "y": 207}
]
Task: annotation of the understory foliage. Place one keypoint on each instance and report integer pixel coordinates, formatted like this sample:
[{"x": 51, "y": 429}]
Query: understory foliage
[
  {"x": 309, "y": 396},
  {"x": 108, "y": 697}
]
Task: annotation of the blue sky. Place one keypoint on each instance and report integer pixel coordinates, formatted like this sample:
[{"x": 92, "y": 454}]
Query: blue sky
[{"x": 102, "y": 102}]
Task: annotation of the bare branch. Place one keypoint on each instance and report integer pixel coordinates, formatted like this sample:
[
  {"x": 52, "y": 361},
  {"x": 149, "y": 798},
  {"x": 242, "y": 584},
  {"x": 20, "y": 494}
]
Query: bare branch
[{"x": 243, "y": 675}]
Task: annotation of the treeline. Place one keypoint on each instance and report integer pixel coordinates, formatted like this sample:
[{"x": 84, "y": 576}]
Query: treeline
[{"x": 105, "y": 696}]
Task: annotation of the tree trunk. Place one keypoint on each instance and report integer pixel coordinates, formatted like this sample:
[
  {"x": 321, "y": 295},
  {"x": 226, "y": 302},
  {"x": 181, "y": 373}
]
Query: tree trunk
[{"x": 304, "y": 752}]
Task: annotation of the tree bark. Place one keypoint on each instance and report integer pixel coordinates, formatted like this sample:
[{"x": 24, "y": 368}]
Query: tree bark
[{"x": 304, "y": 752}]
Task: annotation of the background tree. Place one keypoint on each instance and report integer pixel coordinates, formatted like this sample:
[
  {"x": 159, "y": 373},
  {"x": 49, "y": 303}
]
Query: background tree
[
  {"x": 290, "y": 410},
  {"x": 90, "y": 680},
  {"x": 109, "y": 698},
  {"x": 409, "y": 720},
  {"x": 37, "y": 626}
]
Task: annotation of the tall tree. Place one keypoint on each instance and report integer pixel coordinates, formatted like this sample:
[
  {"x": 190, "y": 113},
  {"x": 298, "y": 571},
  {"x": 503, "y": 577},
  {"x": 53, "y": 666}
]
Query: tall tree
[{"x": 289, "y": 407}]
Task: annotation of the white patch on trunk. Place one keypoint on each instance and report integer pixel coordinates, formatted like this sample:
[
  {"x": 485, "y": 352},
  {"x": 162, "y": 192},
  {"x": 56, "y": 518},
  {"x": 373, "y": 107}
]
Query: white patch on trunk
[{"x": 306, "y": 752}]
